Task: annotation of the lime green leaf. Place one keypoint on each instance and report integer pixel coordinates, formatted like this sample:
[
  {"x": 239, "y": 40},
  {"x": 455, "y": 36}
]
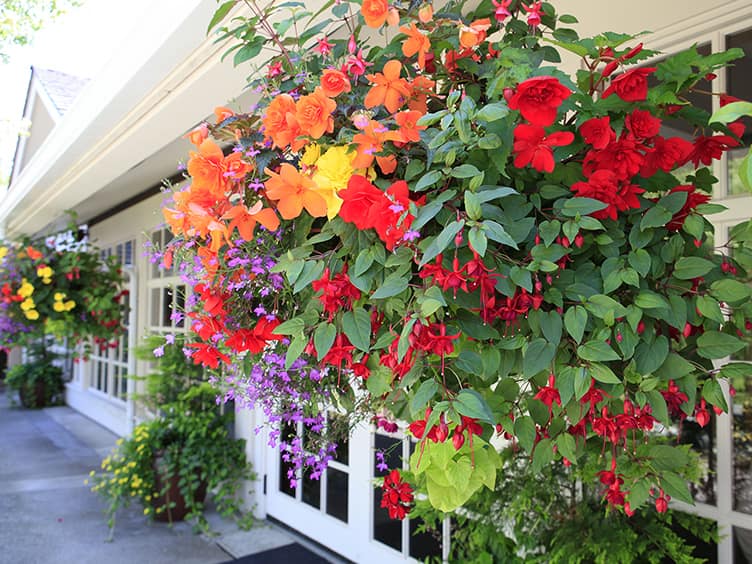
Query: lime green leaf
[
  {"x": 492, "y": 112},
  {"x": 731, "y": 112},
  {"x": 379, "y": 382}
]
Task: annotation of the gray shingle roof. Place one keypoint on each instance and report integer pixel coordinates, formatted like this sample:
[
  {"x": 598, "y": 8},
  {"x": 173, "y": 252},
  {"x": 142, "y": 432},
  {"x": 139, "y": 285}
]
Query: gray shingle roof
[{"x": 62, "y": 88}]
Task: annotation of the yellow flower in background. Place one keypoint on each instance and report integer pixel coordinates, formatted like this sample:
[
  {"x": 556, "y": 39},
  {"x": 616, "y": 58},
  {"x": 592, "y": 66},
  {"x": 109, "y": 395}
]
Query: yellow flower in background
[
  {"x": 28, "y": 304},
  {"x": 69, "y": 305},
  {"x": 26, "y": 289},
  {"x": 3, "y": 252},
  {"x": 333, "y": 171},
  {"x": 59, "y": 296},
  {"x": 44, "y": 272},
  {"x": 311, "y": 154},
  {"x": 58, "y": 307},
  {"x": 32, "y": 315}
]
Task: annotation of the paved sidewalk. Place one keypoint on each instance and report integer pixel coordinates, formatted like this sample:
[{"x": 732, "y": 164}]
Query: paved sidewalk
[{"x": 48, "y": 515}]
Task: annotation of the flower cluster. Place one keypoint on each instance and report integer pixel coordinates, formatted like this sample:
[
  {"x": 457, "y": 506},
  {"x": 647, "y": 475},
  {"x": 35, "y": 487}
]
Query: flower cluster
[{"x": 451, "y": 230}]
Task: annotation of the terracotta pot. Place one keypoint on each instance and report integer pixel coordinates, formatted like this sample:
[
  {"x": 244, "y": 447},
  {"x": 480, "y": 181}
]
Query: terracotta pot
[{"x": 172, "y": 494}]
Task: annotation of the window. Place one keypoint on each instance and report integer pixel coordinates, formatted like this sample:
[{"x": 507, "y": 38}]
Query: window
[
  {"x": 110, "y": 364},
  {"x": 166, "y": 292}
]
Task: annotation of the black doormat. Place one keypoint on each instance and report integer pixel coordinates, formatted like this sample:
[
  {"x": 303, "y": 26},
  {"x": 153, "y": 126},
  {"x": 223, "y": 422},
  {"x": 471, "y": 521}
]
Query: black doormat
[{"x": 289, "y": 554}]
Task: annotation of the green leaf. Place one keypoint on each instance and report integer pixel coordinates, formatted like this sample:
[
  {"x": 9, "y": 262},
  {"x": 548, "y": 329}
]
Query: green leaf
[
  {"x": 442, "y": 241},
  {"x": 596, "y": 351},
  {"x": 658, "y": 406},
  {"x": 709, "y": 308},
  {"x": 650, "y": 300},
  {"x": 478, "y": 240},
  {"x": 731, "y": 112},
  {"x": 537, "y": 357},
  {"x": 575, "y": 320},
  {"x": 426, "y": 391},
  {"x": 713, "y": 344},
  {"x": 542, "y": 455},
  {"x": 379, "y": 382},
  {"x": 582, "y": 206},
  {"x": 602, "y": 373},
  {"x": 356, "y": 325},
  {"x": 492, "y": 112},
  {"x": 666, "y": 457},
  {"x": 428, "y": 179},
  {"x": 713, "y": 394},
  {"x": 471, "y": 404},
  {"x": 323, "y": 339},
  {"x": 426, "y": 214},
  {"x": 551, "y": 326},
  {"x": 496, "y": 232},
  {"x": 657, "y": 216},
  {"x": 673, "y": 202},
  {"x": 465, "y": 171},
  {"x": 730, "y": 291},
  {"x": 676, "y": 486},
  {"x": 295, "y": 349},
  {"x": 736, "y": 370},
  {"x": 290, "y": 327},
  {"x": 248, "y": 51},
  {"x": 393, "y": 284},
  {"x": 640, "y": 261},
  {"x": 601, "y": 306},
  {"x": 363, "y": 262},
  {"x": 312, "y": 270},
  {"x": 567, "y": 446},
  {"x": 650, "y": 356},
  {"x": 524, "y": 430},
  {"x": 472, "y": 206},
  {"x": 490, "y": 142},
  {"x": 745, "y": 171},
  {"x": 687, "y": 268},
  {"x": 220, "y": 14}
]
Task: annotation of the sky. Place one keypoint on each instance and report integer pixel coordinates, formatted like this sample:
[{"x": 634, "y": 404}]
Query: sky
[{"x": 79, "y": 43}]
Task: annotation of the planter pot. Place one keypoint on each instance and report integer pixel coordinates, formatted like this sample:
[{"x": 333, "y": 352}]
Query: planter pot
[
  {"x": 169, "y": 484},
  {"x": 34, "y": 396}
]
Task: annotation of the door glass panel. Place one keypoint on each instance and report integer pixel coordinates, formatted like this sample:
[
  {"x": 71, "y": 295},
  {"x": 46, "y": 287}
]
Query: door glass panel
[
  {"x": 702, "y": 440},
  {"x": 386, "y": 530},
  {"x": 425, "y": 543},
  {"x": 739, "y": 84},
  {"x": 742, "y": 546},
  {"x": 741, "y": 410},
  {"x": 311, "y": 491},
  {"x": 337, "y": 493}
]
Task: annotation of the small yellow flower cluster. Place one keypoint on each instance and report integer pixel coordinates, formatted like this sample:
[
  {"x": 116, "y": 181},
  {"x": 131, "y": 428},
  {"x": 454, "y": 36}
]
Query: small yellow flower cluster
[
  {"x": 45, "y": 273},
  {"x": 3, "y": 252},
  {"x": 28, "y": 306},
  {"x": 60, "y": 304}
]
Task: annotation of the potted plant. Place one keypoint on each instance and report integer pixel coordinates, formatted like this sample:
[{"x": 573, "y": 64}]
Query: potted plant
[
  {"x": 38, "y": 381},
  {"x": 170, "y": 463}
]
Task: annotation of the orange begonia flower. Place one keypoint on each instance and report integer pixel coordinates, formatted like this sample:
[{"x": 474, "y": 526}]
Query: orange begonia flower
[
  {"x": 425, "y": 13},
  {"x": 198, "y": 135},
  {"x": 236, "y": 167},
  {"x": 280, "y": 124},
  {"x": 294, "y": 191},
  {"x": 245, "y": 219},
  {"x": 370, "y": 141},
  {"x": 374, "y": 12},
  {"x": 334, "y": 82},
  {"x": 475, "y": 33},
  {"x": 421, "y": 88},
  {"x": 207, "y": 168},
  {"x": 393, "y": 17},
  {"x": 222, "y": 113},
  {"x": 416, "y": 42},
  {"x": 389, "y": 89},
  {"x": 409, "y": 130},
  {"x": 314, "y": 113},
  {"x": 33, "y": 253},
  {"x": 387, "y": 164}
]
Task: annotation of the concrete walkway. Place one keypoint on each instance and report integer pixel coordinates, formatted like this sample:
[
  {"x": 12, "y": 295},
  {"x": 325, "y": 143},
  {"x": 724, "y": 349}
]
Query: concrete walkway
[{"x": 48, "y": 515}]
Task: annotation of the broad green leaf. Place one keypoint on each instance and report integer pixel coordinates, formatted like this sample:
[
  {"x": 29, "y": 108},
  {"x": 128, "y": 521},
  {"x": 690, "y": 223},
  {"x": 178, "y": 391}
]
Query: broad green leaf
[
  {"x": 687, "y": 268},
  {"x": 290, "y": 327},
  {"x": 713, "y": 344},
  {"x": 581, "y": 206},
  {"x": 666, "y": 457},
  {"x": 442, "y": 241},
  {"x": 713, "y": 394},
  {"x": 551, "y": 326},
  {"x": 323, "y": 339},
  {"x": 542, "y": 455},
  {"x": 497, "y": 233},
  {"x": 465, "y": 171},
  {"x": 379, "y": 382},
  {"x": 356, "y": 325},
  {"x": 567, "y": 446},
  {"x": 524, "y": 430},
  {"x": 650, "y": 300},
  {"x": 472, "y": 206},
  {"x": 676, "y": 486},
  {"x": 492, "y": 112},
  {"x": 428, "y": 179},
  {"x": 575, "y": 320},
  {"x": 393, "y": 284},
  {"x": 658, "y": 406},
  {"x": 426, "y": 391},
  {"x": 657, "y": 216},
  {"x": 731, "y": 112},
  {"x": 537, "y": 357},
  {"x": 295, "y": 349},
  {"x": 602, "y": 373},
  {"x": 596, "y": 351},
  {"x": 650, "y": 356},
  {"x": 471, "y": 404},
  {"x": 730, "y": 291},
  {"x": 478, "y": 240},
  {"x": 220, "y": 14}
]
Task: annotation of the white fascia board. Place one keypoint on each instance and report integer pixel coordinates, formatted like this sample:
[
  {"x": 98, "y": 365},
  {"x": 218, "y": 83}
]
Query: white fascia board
[{"x": 146, "y": 96}]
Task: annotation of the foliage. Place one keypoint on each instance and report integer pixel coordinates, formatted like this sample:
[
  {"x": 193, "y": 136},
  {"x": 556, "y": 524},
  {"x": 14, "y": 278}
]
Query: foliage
[
  {"x": 21, "y": 19},
  {"x": 190, "y": 441},
  {"x": 59, "y": 286},
  {"x": 38, "y": 381},
  {"x": 471, "y": 240},
  {"x": 548, "y": 517}
]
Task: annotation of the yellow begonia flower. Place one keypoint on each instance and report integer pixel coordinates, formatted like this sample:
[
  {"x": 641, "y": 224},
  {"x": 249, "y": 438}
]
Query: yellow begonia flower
[
  {"x": 26, "y": 289},
  {"x": 27, "y": 304},
  {"x": 69, "y": 305},
  {"x": 44, "y": 272},
  {"x": 3, "y": 252},
  {"x": 59, "y": 296},
  {"x": 32, "y": 314},
  {"x": 333, "y": 171},
  {"x": 311, "y": 154},
  {"x": 58, "y": 307}
]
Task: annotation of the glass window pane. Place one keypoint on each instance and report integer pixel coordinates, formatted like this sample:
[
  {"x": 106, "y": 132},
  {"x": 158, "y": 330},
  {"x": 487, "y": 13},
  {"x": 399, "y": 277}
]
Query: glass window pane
[
  {"x": 741, "y": 410},
  {"x": 742, "y": 546},
  {"x": 168, "y": 299},
  {"x": 337, "y": 493},
  {"x": 425, "y": 543},
  {"x": 702, "y": 440},
  {"x": 155, "y": 306},
  {"x": 311, "y": 491},
  {"x": 739, "y": 84},
  {"x": 339, "y": 427}
]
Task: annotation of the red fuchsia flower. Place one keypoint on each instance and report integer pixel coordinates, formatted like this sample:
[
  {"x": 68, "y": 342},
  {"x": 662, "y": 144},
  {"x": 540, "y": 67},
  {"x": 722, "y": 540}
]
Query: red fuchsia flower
[
  {"x": 665, "y": 155},
  {"x": 391, "y": 359},
  {"x": 702, "y": 416},
  {"x": 501, "y": 11},
  {"x": 593, "y": 396},
  {"x": 510, "y": 309},
  {"x": 605, "y": 426},
  {"x": 705, "y": 149},
  {"x": 397, "y": 497},
  {"x": 549, "y": 394},
  {"x": 674, "y": 399},
  {"x": 207, "y": 355},
  {"x": 467, "y": 424},
  {"x": 206, "y": 326},
  {"x": 632, "y": 86},
  {"x": 661, "y": 502},
  {"x": 597, "y": 132},
  {"x": 323, "y": 47},
  {"x": 642, "y": 124},
  {"x": 342, "y": 351},
  {"x": 623, "y": 157},
  {"x": 694, "y": 199},
  {"x": 337, "y": 292},
  {"x": 356, "y": 65},
  {"x": 533, "y": 14},
  {"x": 532, "y": 146},
  {"x": 392, "y": 219},
  {"x": 603, "y": 186},
  {"x": 538, "y": 99},
  {"x": 254, "y": 340},
  {"x": 275, "y": 69}
]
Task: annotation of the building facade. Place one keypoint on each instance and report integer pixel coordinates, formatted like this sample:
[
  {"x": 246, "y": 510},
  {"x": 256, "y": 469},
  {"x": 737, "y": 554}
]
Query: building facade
[{"x": 107, "y": 154}]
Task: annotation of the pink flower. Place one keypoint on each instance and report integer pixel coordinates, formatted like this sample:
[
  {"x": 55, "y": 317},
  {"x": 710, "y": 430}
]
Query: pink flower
[{"x": 502, "y": 12}]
